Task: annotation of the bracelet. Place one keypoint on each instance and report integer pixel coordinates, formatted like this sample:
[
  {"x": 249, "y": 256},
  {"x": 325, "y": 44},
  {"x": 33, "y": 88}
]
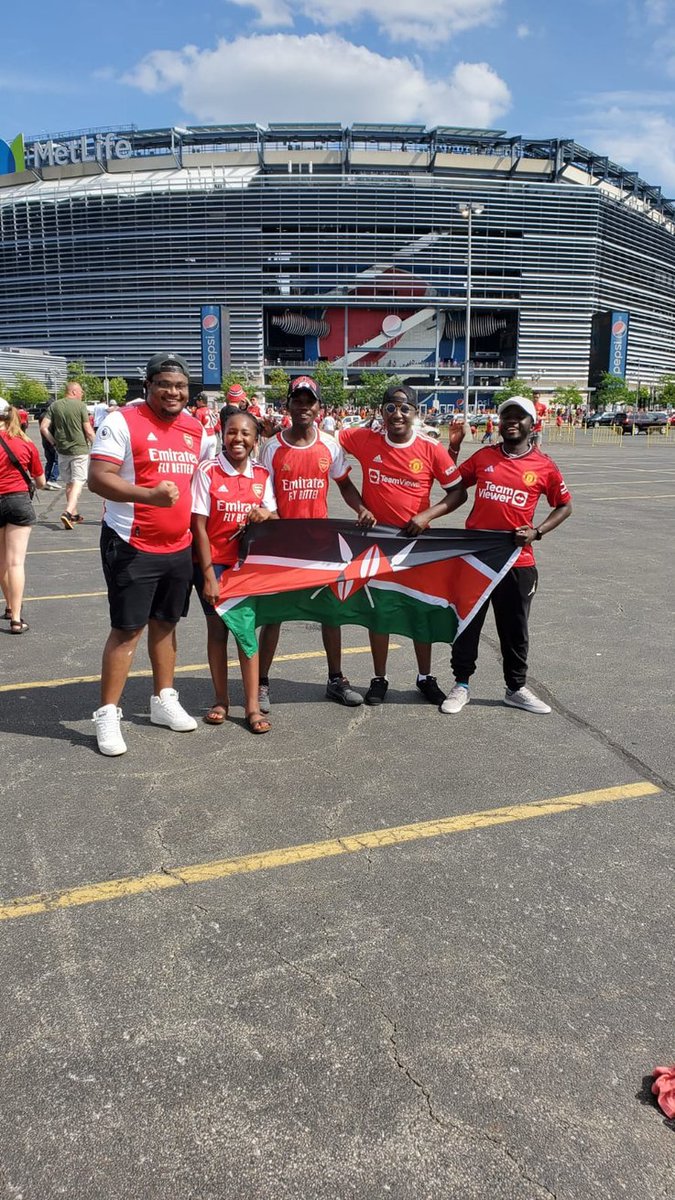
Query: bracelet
[{"x": 538, "y": 535}]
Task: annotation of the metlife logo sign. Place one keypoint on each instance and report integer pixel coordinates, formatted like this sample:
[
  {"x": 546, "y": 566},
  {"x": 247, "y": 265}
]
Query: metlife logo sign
[
  {"x": 88, "y": 148},
  {"x": 12, "y": 156}
]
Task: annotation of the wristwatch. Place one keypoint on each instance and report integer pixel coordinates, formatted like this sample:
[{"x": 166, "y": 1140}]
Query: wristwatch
[{"x": 538, "y": 535}]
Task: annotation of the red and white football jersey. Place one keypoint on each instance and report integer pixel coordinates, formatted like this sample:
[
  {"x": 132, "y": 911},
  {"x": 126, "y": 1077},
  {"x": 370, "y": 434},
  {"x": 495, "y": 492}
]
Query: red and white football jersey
[
  {"x": 225, "y": 497},
  {"x": 149, "y": 451},
  {"x": 300, "y": 474},
  {"x": 397, "y": 479},
  {"x": 508, "y": 490}
]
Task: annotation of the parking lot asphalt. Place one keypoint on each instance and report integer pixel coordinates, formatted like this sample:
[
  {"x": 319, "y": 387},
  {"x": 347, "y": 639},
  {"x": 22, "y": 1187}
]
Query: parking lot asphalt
[{"x": 421, "y": 1001}]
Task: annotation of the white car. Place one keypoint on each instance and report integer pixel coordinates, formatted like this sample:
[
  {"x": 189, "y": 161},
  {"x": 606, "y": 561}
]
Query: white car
[{"x": 351, "y": 422}]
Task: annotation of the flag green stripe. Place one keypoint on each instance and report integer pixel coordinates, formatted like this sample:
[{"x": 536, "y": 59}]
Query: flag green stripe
[{"x": 392, "y": 613}]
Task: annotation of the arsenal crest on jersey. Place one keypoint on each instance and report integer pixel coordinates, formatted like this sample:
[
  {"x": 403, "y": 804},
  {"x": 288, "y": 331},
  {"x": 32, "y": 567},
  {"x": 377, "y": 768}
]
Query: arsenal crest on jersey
[
  {"x": 189, "y": 440},
  {"x": 258, "y": 489}
]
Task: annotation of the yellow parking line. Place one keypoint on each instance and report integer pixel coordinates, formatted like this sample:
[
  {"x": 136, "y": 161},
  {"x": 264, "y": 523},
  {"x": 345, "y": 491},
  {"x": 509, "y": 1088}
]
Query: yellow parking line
[
  {"x": 278, "y": 658},
  {"x": 378, "y": 839},
  {"x": 662, "y": 496},
  {"x": 65, "y": 596},
  {"x": 77, "y": 550}
]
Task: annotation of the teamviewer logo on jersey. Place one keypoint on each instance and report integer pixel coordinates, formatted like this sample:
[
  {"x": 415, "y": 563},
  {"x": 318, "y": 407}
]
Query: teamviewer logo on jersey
[{"x": 373, "y": 475}]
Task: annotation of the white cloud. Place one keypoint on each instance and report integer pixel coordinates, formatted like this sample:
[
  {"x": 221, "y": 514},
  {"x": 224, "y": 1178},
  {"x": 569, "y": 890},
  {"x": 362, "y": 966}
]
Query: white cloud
[
  {"x": 636, "y": 130},
  {"x": 322, "y": 77},
  {"x": 401, "y": 20},
  {"x": 523, "y": 31}
]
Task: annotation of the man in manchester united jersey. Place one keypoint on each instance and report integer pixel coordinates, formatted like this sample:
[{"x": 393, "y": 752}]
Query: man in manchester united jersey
[
  {"x": 509, "y": 480},
  {"x": 399, "y": 468},
  {"x": 301, "y": 461},
  {"x": 142, "y": 464}
]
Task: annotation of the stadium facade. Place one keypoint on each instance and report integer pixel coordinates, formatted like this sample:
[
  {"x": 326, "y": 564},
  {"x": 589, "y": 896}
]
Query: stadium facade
[{"x": 325, "y": 243}]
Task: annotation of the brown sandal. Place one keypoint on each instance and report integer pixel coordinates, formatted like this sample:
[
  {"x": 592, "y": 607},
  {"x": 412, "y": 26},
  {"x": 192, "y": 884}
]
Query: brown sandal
[
  {"x": 257, "y": 722},
  {"x": 19, "y": 626},
  {"x": 217, "y": 714}
]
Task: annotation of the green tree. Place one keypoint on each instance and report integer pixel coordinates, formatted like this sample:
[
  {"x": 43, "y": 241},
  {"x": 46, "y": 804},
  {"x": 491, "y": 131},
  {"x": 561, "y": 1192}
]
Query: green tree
[
  {"x": 28, "y": 393},
  {"x": 371, "y": 389},
  {"x": 333, "y": 391},
  {"x": 93, "y": 388},
  {"x": 277, "y": 386},
  {"x": 232, "y": 377},
  {"x": 567, "y": 397},
  {"x": 513, "y": 387},
  {"x": 76, "y": 371},
  {"x": 117, "y": 389},
  {"x": 612, "y": 390},
  {"x": 665, "y": 390}
]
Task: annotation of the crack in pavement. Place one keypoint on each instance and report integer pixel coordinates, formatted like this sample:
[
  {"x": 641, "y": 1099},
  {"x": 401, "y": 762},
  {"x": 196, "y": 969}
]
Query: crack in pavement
[
  {"x": 470, "y": 1132},
  {"x": 632, "y": 760}
]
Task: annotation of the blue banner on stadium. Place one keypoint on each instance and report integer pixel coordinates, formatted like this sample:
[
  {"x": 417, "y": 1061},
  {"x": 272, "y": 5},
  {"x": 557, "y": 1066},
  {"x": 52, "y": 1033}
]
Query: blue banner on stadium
[
  {"x": 212, "y": 346},
  {"x": 618, "y": 345}
]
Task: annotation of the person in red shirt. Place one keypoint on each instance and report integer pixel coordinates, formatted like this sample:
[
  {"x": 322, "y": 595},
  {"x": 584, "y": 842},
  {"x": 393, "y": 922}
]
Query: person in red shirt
[
  {"x": 301, "y": 461},
  {"x": 509, "y": 480},
  {"x": 200, "y": 410},
  {"x": 399, "y": 468},
  {"x": 17, "y": 515},
  {"x": 142, "y": 463},
  {"x": 24, "y": 418},
  {"x": 227, "y": 492}
]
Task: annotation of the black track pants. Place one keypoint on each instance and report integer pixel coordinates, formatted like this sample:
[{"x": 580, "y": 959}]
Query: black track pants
[{"x": 511, "y": 602}]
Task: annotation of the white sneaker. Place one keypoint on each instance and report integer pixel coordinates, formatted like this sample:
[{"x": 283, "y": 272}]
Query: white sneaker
[
  {"x": 457, "y": 697},
  {"x": 525, "y": 699},
  {"x": 165, "y": 710},
  {"x": 108, "y": 733}
]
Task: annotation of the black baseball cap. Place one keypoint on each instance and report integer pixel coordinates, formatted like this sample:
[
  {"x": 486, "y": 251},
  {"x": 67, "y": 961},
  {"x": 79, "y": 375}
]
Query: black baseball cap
[{"x": 166, "y": 362}]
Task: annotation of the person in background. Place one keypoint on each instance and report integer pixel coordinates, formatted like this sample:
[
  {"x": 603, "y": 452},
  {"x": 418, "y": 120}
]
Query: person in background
[
  {"x": 200, "y": 410},
  {"x": 19, "y": 461},
  {"x": 66, "y": 424}
]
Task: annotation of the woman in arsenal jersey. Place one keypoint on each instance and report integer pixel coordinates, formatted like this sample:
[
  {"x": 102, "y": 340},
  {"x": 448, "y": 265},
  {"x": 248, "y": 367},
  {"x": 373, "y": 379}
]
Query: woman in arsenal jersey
[{"x": 227, "y": 492}]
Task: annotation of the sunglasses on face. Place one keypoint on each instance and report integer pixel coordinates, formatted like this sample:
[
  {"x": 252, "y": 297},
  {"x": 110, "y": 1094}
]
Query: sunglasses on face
[{"x": 404, "y": 409}]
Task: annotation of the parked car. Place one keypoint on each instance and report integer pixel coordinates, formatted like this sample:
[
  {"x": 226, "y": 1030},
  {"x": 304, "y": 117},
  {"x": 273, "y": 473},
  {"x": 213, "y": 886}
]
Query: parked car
[
  {"x": 645, "y": 422},
  {"x": 605, "y": 419}
]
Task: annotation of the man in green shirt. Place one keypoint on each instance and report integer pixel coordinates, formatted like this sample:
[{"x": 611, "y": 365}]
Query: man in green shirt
[{"x": 67, "y": 426}]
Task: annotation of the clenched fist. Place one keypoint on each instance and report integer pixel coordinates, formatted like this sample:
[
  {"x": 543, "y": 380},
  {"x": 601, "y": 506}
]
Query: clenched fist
[{"x": 164, "y": 495}]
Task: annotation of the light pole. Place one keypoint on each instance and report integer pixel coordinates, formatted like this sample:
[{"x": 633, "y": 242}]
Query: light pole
[
  {"x": 106, "y": 382},
  {"x": 468, "y": 211}
]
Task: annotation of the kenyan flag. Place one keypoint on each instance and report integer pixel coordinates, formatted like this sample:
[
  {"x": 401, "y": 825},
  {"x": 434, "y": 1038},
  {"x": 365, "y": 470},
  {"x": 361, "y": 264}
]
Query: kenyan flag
[{"x": 427, "y": 588}]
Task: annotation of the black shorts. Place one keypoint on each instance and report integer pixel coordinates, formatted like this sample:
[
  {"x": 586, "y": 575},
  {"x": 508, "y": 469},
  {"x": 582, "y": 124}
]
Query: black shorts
[
  {"x": 198, "y": 581},
  {"x": 143, "y": 586},
  {"x": 16, "y": 508}
]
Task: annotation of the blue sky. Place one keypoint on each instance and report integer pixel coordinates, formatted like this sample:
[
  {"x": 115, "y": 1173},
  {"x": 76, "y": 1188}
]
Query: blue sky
[{"x": 600, "y": 71}]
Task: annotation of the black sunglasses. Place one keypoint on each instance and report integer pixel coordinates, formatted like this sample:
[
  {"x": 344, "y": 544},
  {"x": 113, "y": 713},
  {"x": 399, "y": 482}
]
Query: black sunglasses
[{"x": 402, "y": 408}]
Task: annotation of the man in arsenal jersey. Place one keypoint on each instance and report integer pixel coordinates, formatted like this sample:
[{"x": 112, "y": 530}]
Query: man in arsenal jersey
[
  {"x": 301, "y": 461},
  {"x": 509, "y": 480},
  {"x": 142, "y": 464},
  {"x": 208, "y": 419},
  {"x": 399, "y": 468}
]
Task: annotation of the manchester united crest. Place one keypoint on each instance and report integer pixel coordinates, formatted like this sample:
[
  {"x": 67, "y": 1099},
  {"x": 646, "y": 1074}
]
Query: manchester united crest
[
  {"x": 529, "y": 478},
  {"x": 416, "y": 465}
]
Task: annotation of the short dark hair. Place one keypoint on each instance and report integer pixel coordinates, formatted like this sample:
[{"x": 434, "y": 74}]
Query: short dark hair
[{"x": 231, "y": 410}]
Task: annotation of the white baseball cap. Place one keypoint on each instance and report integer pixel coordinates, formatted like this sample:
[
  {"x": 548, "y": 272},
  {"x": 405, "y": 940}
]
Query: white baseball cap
[
  {"x": 521, "y": 402},
  {"x": 4, "y": 405}
]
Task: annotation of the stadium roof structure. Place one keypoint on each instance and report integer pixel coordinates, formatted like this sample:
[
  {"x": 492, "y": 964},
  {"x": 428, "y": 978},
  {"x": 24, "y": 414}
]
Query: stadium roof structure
[{"x": 380, "y": 148}]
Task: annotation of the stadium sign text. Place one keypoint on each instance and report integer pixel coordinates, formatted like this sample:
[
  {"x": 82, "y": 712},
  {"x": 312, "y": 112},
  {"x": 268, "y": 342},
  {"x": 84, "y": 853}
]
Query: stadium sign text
[{"x": 99, "y": 147}]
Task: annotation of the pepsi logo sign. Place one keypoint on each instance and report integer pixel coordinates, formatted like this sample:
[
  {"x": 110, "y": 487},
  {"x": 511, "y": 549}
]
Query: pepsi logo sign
[
  {"x": 210, "y": 321},
  {"x": 619, "y": 328}
]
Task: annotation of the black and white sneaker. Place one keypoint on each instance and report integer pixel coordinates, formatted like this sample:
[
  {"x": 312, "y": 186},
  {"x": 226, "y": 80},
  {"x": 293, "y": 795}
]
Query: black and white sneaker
[
  {"x": 377, "y": 691},
  {"x": 431, "y": 691},
  {"x": 340, "y": 691}
]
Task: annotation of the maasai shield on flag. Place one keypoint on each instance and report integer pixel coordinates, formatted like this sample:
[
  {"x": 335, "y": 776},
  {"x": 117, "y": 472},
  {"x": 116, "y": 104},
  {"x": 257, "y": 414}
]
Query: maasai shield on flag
[{"x": 427, "y": 588}]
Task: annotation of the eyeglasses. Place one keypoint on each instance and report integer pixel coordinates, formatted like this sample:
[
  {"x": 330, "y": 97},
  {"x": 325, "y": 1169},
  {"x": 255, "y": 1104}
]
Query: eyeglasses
[
  {"x": 168, "y": 385},
  {"x": 404, "y": 409}
]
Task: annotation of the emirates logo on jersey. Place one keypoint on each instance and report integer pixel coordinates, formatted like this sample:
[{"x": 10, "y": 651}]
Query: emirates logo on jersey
[
  {"x": 416, "y": 465},
  {"x": 529, "y": 478},
  {"x": 258, "y": 489},
  {"x": 189, "y": 440}
]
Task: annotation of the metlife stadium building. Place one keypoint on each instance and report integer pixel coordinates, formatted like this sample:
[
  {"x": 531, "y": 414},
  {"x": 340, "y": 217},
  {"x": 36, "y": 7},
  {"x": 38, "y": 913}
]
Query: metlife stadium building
[{"x": 290, "y": 245}]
